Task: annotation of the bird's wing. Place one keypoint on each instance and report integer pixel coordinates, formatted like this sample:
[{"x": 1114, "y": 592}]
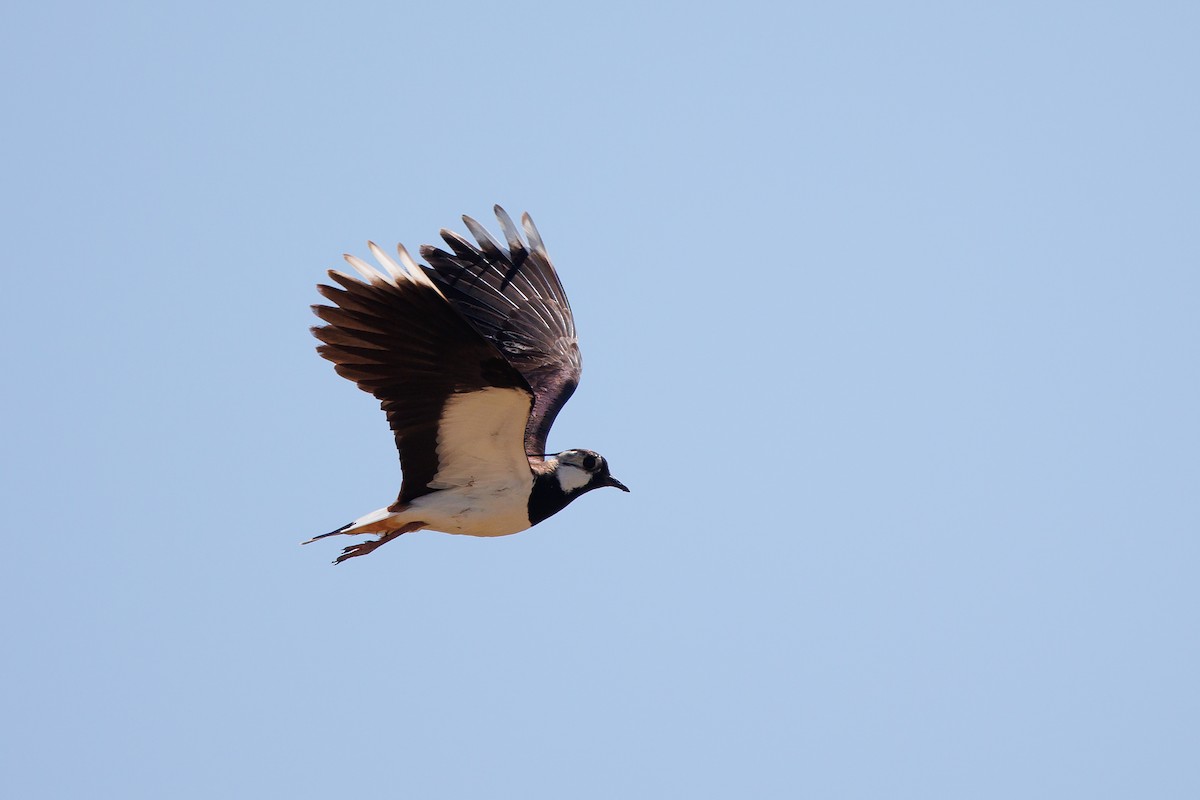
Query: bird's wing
[
  {"x": 458, "y": 409},
  {"x": 514, "y": 299}
]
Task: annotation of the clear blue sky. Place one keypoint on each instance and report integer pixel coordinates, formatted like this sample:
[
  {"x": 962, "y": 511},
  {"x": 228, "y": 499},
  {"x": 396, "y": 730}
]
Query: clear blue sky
[{"x": 890, "y": 317}]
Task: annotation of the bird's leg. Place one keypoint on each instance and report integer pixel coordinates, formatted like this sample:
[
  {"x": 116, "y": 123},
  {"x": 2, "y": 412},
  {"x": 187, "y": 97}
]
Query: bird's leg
[{"x": 362, "y": 548}]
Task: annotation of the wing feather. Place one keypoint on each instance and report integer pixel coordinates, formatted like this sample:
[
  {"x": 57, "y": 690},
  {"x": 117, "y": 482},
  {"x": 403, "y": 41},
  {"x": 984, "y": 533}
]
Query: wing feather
[
  {"x": 514, "y": 300},
  {"x": 398, "y": 337}
]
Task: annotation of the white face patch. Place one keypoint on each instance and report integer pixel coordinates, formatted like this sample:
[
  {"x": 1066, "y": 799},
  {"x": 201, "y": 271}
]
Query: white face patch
[{"x": 572, "y": 478}]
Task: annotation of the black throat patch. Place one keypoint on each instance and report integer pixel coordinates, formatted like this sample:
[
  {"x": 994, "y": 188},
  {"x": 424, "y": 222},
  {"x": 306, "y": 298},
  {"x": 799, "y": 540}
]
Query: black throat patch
[{"x": 547, "y": 498}]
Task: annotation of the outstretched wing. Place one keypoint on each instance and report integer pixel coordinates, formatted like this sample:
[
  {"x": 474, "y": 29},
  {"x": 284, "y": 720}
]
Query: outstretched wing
[
  {"x": 395, "y": 335},
  {"x": 514, "y": 299}
]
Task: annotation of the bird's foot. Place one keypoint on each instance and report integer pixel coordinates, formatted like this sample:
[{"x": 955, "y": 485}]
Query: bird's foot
[{"x": 363, "y": 548}]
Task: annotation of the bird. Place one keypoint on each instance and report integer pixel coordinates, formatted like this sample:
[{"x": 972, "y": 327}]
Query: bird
[{"x": 471, "y": 357}]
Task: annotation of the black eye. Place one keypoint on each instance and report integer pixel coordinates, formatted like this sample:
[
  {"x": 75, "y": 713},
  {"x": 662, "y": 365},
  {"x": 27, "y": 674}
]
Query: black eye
[{"x": 589, "y": 463}]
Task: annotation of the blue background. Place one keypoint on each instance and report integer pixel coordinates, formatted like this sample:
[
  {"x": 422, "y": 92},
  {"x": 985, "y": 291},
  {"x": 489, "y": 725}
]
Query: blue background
[{"x": 889, "y": 317}]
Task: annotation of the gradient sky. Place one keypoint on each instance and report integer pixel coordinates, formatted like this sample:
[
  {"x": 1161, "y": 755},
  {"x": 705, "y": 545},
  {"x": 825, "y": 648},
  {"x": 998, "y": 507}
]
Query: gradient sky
[{"x": 889, "y": 315}]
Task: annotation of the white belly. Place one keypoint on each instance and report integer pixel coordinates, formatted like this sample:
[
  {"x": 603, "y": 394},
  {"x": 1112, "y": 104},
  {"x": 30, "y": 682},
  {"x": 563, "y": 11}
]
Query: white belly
[
  {"x": 483, "y": 480},
  {"x": 495, "y": 510}
]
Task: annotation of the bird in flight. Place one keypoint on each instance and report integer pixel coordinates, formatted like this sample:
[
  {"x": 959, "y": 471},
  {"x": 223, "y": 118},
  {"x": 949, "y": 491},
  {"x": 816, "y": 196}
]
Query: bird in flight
[{"x": 471, "y": 358}]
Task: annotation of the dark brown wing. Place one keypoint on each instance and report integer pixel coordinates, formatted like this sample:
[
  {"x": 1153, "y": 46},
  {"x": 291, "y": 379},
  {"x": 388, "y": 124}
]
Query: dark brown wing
[
  {"x": 397, "y": 337},
  {"x": 514, "y": 299}
]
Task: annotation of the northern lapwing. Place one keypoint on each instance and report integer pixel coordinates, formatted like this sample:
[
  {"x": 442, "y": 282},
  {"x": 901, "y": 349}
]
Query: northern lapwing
[{"x": 471, "y": 357}]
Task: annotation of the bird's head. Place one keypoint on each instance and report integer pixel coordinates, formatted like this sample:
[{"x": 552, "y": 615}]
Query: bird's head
[{"x": 580, "y": 471}]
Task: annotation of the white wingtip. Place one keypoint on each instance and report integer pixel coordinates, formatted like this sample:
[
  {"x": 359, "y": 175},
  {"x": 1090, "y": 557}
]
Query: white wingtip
[
  {"x": 511, "y": 235},
  {"x": 408, "y": 261},
  {"x": 415, "y": 273},
  {"x": 481, "y": 234},
  {"x": 535, "y": 238},
  {"x": 394, "y": 273},
  {"x": 362, "y": 268},
  {"x": 407, "y": 271}
]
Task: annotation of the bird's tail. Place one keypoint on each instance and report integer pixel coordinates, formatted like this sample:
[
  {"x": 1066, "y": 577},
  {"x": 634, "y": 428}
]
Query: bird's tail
[
  {"x": 389, "y": 524},
  {"x": 379, "y": 521}
]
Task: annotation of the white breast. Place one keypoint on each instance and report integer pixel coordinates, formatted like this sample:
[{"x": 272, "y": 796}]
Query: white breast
[{"x": 477, "y": 511}]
